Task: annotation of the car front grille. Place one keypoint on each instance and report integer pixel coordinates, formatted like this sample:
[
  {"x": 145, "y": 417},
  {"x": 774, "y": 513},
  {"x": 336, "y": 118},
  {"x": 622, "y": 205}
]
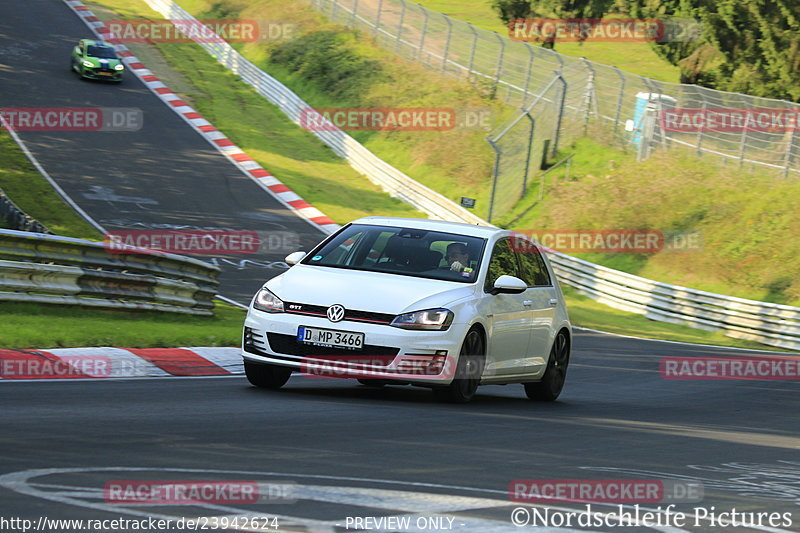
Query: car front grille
[
  {"x": 287, "y": 344},
  {"x": 350, "y": 315}
]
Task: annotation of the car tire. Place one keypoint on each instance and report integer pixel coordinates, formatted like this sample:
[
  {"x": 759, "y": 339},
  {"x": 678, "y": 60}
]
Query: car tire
[
  {"x": 552, "y": 383},
  {"x": 468, "y": 371},
  {"x": 374, "y": 383},
  {"x": 266, "y": 376}
]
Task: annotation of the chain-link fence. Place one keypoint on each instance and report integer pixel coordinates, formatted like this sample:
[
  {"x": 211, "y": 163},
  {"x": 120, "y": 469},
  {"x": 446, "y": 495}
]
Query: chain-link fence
[{"x": 635, "y": 109}]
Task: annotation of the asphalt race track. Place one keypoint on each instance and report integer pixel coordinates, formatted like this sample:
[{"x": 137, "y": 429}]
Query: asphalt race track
[
  {"x": 356, "y": 451},
  {"x": 165, "y": 175},
  {"x": 339, "y": 450}
]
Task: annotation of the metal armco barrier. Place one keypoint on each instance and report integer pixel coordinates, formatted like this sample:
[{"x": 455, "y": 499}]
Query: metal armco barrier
[
  {"x": 767, "y": 323},
  {"x": 41, "y": 268}
]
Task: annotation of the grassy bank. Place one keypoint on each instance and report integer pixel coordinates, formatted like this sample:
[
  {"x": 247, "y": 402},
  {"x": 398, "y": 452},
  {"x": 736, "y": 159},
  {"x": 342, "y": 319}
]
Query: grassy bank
[
  {"x": 54, "y": 326},
  {"x": 34, "y": 195}
]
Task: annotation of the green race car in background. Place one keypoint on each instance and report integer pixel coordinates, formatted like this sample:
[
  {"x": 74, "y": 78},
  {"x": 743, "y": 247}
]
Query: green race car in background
[{"x": 96, "y": 60}]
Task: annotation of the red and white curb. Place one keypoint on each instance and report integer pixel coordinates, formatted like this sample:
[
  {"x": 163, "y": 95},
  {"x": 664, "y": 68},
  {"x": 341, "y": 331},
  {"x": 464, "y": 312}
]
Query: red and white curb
[
  {"x": 98, "y": 363},
  {"x": 216, "y": 138}
]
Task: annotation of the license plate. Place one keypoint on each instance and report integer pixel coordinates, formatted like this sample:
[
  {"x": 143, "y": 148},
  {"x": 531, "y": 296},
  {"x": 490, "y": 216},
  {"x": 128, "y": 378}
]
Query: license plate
[
  {"x": 105, "y": 74},
  {"x": 330, "y": 337}
]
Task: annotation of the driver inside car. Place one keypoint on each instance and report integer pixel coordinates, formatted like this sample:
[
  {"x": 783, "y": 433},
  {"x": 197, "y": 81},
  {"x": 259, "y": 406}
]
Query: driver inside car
[{"x": 457, "y": 257}]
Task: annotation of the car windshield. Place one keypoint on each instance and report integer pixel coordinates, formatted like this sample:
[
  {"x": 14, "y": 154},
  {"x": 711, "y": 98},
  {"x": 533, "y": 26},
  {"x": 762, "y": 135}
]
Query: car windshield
[
  {"x": 102, "y": 52},
  {"x": 405, "y": 251}
]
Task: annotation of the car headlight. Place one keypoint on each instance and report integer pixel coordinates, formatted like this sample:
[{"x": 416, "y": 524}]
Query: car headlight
[
  {"x": 268, "y": 302},
  {"x": 429, "y": 319},
  {"x": 88, "y": 64},
  {"x": 119, "y": 67}
]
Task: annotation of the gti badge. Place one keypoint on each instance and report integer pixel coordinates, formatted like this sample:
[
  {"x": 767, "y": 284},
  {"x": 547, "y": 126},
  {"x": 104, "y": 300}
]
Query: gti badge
[{"x": 336, "y": 313}]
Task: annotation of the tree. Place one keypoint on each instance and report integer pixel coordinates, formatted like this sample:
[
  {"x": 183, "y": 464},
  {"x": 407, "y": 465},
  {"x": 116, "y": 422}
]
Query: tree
[{"x": 509, "y": 10}]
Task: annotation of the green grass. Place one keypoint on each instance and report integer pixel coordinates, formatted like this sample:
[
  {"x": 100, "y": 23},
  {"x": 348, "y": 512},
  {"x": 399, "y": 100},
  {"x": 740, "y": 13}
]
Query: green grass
[
  {"x": 636, "y": 58},
  {"x": 27, "y": 325},
  {"x": 34, "y": 195}
]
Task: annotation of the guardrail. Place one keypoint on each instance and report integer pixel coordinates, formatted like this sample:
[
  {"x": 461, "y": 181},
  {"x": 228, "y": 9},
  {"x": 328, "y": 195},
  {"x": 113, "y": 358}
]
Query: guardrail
[
  {"x": 766, "y": 323},
  {"x": 763, "y": 322},
  {"x": 35, "y": 267}
]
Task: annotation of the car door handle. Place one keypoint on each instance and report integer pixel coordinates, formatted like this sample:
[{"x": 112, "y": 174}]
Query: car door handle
[
  {"x": 552, "y": 301},
  {"x": 526, "y": 303}
]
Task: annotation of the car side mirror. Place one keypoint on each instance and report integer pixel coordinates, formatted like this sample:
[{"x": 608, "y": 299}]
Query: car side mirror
[
  {"x": 294, "y": 258},
  {"x": 509, "y": 285}
]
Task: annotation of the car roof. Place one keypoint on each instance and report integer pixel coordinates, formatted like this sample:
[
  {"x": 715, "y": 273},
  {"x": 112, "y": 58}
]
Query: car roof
[
  {"x": 433, "y": 225},
  {"x": 92, "y": 42}
]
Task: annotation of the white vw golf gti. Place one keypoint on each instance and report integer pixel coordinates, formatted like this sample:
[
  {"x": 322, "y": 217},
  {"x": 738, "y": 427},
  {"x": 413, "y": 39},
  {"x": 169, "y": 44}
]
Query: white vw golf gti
[{"x": 404, "y": 301}]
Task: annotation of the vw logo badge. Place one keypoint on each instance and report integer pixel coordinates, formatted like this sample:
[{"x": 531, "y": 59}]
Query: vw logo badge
[{"x": 336, "y": 313}]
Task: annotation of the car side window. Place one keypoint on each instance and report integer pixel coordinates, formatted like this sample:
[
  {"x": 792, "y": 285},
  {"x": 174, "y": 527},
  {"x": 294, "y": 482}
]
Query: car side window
[
  {"x": 532, "y": 269},
  {"x": 502, "y": 263}
]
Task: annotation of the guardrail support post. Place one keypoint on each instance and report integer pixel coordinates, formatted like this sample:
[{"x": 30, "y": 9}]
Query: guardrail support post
[{"x": 789, "y": 151}]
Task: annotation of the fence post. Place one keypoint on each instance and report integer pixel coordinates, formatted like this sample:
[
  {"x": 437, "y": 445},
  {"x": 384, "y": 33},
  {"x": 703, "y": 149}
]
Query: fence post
[
  {"x": 789, "y": 150},
  {"x": 400, "y": 27},
  {"x": 500, "y": 58},
  {"x": 559, "y": 112},
  {"x": 587, "y": 98},
  {"x": 743, "y": 140},
  {"x": 447, "y": 42},
  {"x": 528, "y": 74},
  {"x": 619, "y": 99},
  {"x": 474, "y": 46},
  {"x": 699, "y": 145},
  {"x": 496, "y": 172},
  {"x": 378, "y": 18},
  {"x": 334, "y": 5},
  {"x": 424, "y": 31},
  {"x": 530, "y": 151},
  {"x": 355, "y": 12}
]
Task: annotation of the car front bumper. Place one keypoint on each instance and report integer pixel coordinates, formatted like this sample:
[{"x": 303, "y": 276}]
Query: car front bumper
[{"x": 389, "y": 353}]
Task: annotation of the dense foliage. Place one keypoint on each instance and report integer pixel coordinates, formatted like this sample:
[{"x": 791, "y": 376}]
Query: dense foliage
[{"x": 749, "y": 46}]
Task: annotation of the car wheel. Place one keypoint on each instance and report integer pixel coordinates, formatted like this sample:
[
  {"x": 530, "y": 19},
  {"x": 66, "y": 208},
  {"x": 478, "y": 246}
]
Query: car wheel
[
  {"x": 374, "y": 383},
  {"x": 468, "y": 372},
  {"x": 554, "y": 377},
  {"x": 267, "y": 376}
]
